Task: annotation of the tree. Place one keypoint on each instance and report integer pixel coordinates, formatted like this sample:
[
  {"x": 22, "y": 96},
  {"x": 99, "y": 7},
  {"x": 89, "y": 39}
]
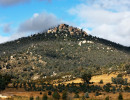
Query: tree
[
  {"x": 107, "y": 98},
  {"x": 86, "y": 77},
  {"x": 31, "y": 98},
  {"x": 44, "y": 97},
  {"x": 113, "y": 89},
  {"x": 49, "y": 92},
  {"x": 64, "y": 95},
  {"x": 83, "y": 98},
  {"x": 56, "y": 95},
  {"x": 37, "y": 98},
  {"x": 4, "y": 81},
  {"x": 101, "y": 82},
  {"x": 120, "y": 97},
  {"x": 86, "y": 95},
  {"x": 119, "y": 75},
  {"x": 76, "y": 95},
  {"x": 106, "y": 88},
  {"x": 97, "y": 94}
]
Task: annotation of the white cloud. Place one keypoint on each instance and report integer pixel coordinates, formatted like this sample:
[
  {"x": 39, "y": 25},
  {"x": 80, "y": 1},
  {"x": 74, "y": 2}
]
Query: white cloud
[
  {"x": 104, "y": 23},
  {"x": 11, "y": 2},
  {"x": 39, "y": 22},
  {"x": 14, "y": 2},
  {"x": 116, "y": 5}
]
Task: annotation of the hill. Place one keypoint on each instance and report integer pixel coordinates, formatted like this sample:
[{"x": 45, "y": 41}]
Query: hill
[{"x": 60, "y": 51}]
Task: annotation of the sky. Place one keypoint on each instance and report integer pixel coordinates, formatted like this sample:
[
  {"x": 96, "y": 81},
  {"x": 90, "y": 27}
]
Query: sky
[{"x": 108, "y": 19}]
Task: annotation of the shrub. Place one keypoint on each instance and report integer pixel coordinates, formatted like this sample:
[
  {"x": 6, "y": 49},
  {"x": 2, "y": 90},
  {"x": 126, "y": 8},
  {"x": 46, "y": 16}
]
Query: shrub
[
  {"x": 120, "y": 97},
  {"x": 86, "y": 77},
  {"x": 83, "y": 98},
  {"x": 119, "y": 75},
  {"x": 76, "y": 95},
  {"x": 119, "y": 80},
  {"x": 108, "y": 84},
  {"x": 49, "y": 92},
  {"x": 97, "y": 94},
  {"x": 31, "y": 98},
  {"x": 56, "y": 95},
  {"x": 127, "y": 89},
  {"x": 86, "y": 95},
  {"x": 113, "y": 89},
  {"x": 107, "y": 98},
  {"x": 37, "y": 98},
  {"x": 101, "y": 82},
  {"x": 40, "y": 93},
  {"x": 64, "y": 95},
  {"x": 44, "y": 97},
  {"x": 106, "y": 88}
]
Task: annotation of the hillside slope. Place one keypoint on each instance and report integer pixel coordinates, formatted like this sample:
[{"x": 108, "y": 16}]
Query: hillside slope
[{"x": 59, "y": 51}]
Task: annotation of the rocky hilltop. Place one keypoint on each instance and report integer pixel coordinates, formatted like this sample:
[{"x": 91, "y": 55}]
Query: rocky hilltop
[{"x": 68, "y": 29}]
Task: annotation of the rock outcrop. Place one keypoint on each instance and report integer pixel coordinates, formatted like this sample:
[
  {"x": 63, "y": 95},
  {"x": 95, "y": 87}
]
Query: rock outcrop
[{"x": 67, "y": 28}]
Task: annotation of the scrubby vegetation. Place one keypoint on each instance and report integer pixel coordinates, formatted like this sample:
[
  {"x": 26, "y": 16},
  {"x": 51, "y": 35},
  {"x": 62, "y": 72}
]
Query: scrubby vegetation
[
  {"x": 4, "y": 81},
  {"x": 56, "y": 54}
]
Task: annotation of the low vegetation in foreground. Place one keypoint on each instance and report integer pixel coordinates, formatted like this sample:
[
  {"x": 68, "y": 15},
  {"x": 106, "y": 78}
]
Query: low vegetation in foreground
[{"x": 119, "y": 87}]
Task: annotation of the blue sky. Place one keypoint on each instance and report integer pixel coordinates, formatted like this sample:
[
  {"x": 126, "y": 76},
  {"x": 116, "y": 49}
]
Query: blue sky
[{"x": 109, "y": 19}]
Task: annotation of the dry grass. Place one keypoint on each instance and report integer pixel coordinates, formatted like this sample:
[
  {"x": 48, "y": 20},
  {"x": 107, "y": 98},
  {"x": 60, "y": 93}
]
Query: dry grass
[
  {"x": 96, "y": 79},
  {"x": 20, "y": 94}
]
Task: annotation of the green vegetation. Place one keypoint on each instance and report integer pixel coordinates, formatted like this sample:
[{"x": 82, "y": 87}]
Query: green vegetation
[
  {"x": 107, "y": 98},
  {"x": 120, "y": 97},
  {"x": 119, "y": 80},
  {"x": 31, "y": 98},
  {"x": 4, "y": 80},
  {"x": 56, "y": 95},
  {"x": 44, "y": 97},
  {"x": 101, "y": 82},
  {"x": 76, "y": 95},
  {"x": 86, "y": 77},
  {"x": 42, "y": 55},
  {"x": 64, "y": 95}
]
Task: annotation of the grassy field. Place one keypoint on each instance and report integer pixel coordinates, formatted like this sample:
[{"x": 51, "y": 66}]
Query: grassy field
[{"x": 96, "y": 79}]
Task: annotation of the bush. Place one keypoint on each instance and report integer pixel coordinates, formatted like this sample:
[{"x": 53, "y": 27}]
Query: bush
[
  {"x": 86, "y": 77},
  {"x": 113, "y": 89},
  {"x": 40, "y": 93},
  {"x": 120, "y": 97},
  {"x": 56, "y": 95},
  {"x": 97, "y": 94},
  {"x": 107, "y": 98},
  {"x": 119, "y": 80},
  {"x": 44, "y": 97},
  {"x": 83, "y": 98},
  {"x": 76, "y": 95},
  {"x": 106, "y": 88},
  {"x": 86, "y": 95},
  {"x": 127, "y": 89},
  {"x": 64, "y": 95},
  {"x": 119, "y": 75},
  {"x": 31, "y": 98},
  {"x": 101, "y": 82},
  {"x": 4, "y": 81},
  {"x": 49, "y": 92},
  {"x": 37, "y": 98}
]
